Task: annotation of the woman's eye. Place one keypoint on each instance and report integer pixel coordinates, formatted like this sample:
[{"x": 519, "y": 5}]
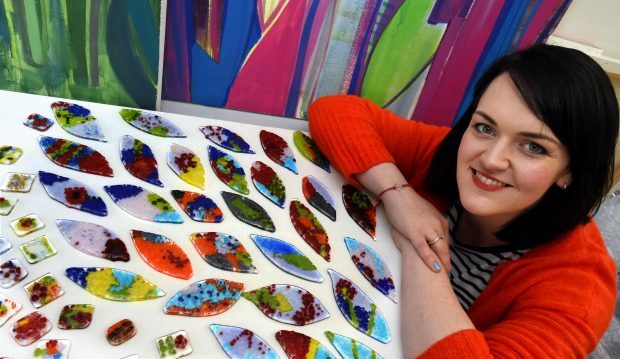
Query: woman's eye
[
  {"x": 535, "y": 148},
  {"x": 484, "y": 129}
]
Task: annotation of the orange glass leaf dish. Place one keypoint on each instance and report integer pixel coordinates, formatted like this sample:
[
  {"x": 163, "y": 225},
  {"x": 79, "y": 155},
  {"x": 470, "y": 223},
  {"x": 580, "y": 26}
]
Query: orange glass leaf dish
[{"x": 162, "y": 254}]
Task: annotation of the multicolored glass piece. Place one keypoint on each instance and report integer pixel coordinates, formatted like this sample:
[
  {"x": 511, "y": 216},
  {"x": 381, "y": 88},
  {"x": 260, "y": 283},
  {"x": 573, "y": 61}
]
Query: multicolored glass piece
[
  {"x": 30, "y": 328},
  {"x": 38, "y": 122},
  {"x": 287, "y": 257},
  {"x": 358, "y": 309},
  {"x": 277, "y": 150},
  {"x": 114, "y": 284},
  {"x": 300, "y": 346},
  {"x": 310, "y": 229},
  {"x": 72, "y": 193},
  {"x": 142, "y": 203},
  {"x": 174, "y": 345},
  {"x": 38, "y": 249},
  {"x": 162, "y": 254},
  {"x": 11, "y": 273},
  {"x": 5, "y": 245},
  {"x": 223, "y": 251},
  {"x": 360, "y": 208},
  {"x": 27, "y": 224},
  {"x": 8, "y": 308},
  {"x": 7, "y": 204},
  {"x": 10, "y": 154},
  {"x": 287, "y": 303},
  {"x": 372, "y": 266},
  {"x": 93, "y": 239},
  {"x": 187, "y": 165},
  {"x": 205, "y": 298},
  {"x": 351, "y": 348},
  {"x": 226, "y": 138},
  {"x": 76, "y": 316},
  {"x": 138, "y": 159},
  {"x": 198, "y": 206},
  {"x": 248, "y": 211},
  {"x": 309, "y": 150},
  {"x": 17, "y": 182},
  {"x": 241, "y": 343},
  {"x": 43, "y": 290},
  {"x": 52, "y": 349},
  {"x": 268, "y": 183},
  {"x": 77, "y": 120},
  {"x": 120, "y": 332},
  {"x": 151, "y": 123},
  {"x": 228, "y": 170},
  {"x": 319, "y": 196},
  {"x": 76, "y": 156}
]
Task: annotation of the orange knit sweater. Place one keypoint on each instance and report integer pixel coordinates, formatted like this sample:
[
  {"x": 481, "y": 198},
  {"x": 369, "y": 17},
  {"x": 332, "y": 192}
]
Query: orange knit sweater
[{"x": 556, "y": 301}]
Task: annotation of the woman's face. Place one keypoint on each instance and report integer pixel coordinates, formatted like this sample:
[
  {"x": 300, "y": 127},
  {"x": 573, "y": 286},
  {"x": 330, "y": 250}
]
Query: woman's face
[{"x": 508, "y": 158}]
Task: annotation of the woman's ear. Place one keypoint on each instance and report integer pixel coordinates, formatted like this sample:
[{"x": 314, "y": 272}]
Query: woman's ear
[{"x": 564, "y": 181}]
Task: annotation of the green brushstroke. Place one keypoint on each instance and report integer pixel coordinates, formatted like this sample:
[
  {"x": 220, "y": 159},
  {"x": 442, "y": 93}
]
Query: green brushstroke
[{"x": 297, "y": 260}]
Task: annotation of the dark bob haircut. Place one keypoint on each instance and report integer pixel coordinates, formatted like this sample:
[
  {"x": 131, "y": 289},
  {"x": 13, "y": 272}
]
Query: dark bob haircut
[{"x": 573, "y": 96}]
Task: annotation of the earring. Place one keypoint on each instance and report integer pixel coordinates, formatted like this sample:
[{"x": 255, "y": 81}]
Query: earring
[{"x": 564, "y": 186}]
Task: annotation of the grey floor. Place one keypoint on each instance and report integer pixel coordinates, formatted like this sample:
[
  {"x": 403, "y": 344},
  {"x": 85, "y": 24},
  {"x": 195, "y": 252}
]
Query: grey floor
[{"x": 608, "y": 220}]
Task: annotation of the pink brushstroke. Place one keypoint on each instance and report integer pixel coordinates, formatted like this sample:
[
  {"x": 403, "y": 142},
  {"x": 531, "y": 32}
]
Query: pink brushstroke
[
  {"x": 454, "y": 63},
  {"x": 358, "y": 41},
  {"x": 176, "y": 56},
  {"x": 544, "y": 14},
  {"x": 263, "y": 82}
]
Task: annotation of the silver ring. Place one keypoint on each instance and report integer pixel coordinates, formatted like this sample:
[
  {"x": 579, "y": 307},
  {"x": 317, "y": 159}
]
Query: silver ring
[{"x": 434, "y": 241}]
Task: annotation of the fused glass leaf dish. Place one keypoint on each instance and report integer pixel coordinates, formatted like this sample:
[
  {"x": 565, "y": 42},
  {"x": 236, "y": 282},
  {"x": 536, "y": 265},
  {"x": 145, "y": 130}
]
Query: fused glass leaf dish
[
  {"x": 268, "y": 183},
  {"x": 205, "y": 298},
  {"x": 10, "y": 154},
  {"x": 287, "y": 257},
  {"x": 27, "y": 224},
  {"x": 30, "y": 328},
  {"x": 310, "y": 229},
  {"x": 228, "y": 170},
  {"x": 52, "y": 349},
  {"x": 6, "y": 206},
  {"x": 198, "y": 207},
  {"x": 288, "y": 304},
  {"x": 151, "y": 123},
  {"x": 372, "y": 266},
  {"x": 114, "y": 284},
  {"x": 278, "y": 151},
  {"x": 187, "y": 165},
  {"x": 120, "y": 332},
  {"x": 77, "y": 120},
  {"x": 223, "y": 251},
  {"x": 360, "y": 208},
  {"x": 306, "y": 146},
  {"x": 319, "y": 197},
  {"x": 175, "y": 345},
  {"x": 8, "y": 308},
  {"x": 143, "y": 204},
  {"x": 17, "y": 182},
  {"x": 248, "y": 211},
  {"x": 43, "y": 290},
  {"x": 138, "y": 159},
  {"x": 350, "y": 348},
  {"x": 76, "y": 156},
  {"x": 5, "y": 245},
  {"x": 226, "y": 138},
  {"x": 38, "y": 122},
  {"x": 161, "y": 253},
  {"x": 358, "y": 309},
  {"x": 38, "y": 249},
  {"x": 11, "y": 273},
  {"x": 72, "y": 193},
  {"x": 241, "y": 343},
  {"x": 76, "y": 316},
  {"x": 300, "y": 346},
  {"x": 93, "y": 239}
]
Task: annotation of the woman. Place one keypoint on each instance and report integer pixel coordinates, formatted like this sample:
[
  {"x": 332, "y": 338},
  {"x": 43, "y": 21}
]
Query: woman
[{"x": 516, "y": 268}]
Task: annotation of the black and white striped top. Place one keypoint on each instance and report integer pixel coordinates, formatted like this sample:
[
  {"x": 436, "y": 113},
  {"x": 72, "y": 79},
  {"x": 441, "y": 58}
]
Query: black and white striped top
[{"x": 472, "y": 267}]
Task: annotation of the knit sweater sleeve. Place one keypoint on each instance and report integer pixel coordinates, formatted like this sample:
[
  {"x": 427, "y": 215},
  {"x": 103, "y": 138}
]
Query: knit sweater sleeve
[{"x": 356, "y": 134}]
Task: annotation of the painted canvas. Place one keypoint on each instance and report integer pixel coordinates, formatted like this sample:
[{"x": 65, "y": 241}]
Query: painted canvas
[
  {"x": 92, "y": 50},
  {"x": 277, "y": 56}
]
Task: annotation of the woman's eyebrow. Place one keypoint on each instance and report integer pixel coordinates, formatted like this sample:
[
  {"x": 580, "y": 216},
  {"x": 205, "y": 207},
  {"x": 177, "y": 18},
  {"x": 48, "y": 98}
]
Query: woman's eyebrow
[{"x": 535, "y": 135}]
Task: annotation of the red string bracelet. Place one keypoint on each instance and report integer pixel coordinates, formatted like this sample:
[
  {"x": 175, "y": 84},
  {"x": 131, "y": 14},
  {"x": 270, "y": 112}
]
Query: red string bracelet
[{"x": 396, "y": 187}]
